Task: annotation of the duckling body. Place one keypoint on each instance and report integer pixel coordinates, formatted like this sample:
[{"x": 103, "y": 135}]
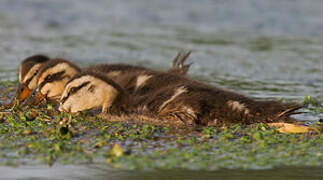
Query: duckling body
[
  {"x": 198, "y": 104},
  {"x": 123, "y": 74},
  {"x": 133, "y": 78},
  {"x": 190, "y": 102}
]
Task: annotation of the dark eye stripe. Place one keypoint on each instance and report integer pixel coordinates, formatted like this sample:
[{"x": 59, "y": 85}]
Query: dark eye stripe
[
  {"x": 31, "y": 78},
  {"x": 74, "y": 90},
  {"x": 51, "y": 78}
]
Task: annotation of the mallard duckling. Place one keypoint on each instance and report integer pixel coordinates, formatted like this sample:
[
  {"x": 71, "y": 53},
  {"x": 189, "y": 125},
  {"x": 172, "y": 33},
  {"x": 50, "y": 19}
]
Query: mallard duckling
[
  {"x": 53, "y": 76},
  {"x": 51, "y": 80},
  {"x": 190, "y": 102},
  {"x": 27, "y": 72}
]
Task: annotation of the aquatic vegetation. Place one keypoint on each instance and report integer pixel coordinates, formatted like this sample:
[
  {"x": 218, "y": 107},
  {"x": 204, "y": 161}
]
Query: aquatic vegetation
[{"x": 43, "y": 135}]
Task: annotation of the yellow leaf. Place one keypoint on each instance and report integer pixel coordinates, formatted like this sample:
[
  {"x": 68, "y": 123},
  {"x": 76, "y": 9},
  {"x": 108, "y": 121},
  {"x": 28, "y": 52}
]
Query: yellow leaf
[
  {"x": 291, "y": 128},
  {"x": 108, "y": 161},
  {"x": 116, "y": 150}
]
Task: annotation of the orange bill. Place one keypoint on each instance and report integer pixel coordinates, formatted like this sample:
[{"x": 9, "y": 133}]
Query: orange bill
[
  {"x": 24, "y": 94},
  {"x": 21, "y": 94},
  {"x": 35, "y": 98}
]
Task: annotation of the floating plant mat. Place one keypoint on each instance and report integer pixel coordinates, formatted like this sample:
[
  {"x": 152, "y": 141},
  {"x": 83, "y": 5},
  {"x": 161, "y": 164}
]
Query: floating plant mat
[{"x": 44, "y": 136}]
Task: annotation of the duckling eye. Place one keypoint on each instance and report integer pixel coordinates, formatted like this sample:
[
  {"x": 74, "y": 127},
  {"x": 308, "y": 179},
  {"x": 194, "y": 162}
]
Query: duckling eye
[
  {"x": 53, "y": 77},
  {"x": 49, "y": 78},
  {"x": 91, "y": 88},
  {"x": 35, "y": 73},
  {"x": 73, "y": 89}
]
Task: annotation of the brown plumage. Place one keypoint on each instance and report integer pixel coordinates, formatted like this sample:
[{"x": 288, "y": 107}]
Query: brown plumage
[
  {"x": 54, "y": 62},
  {"x": 132, "y": 77},
  {"x": 188, "y": 102},
  {"x": 198, "y": 104},
  {"x": 123, "y": 74},
  {"x": 137, "y": 80},
  {"x": 29, "y": 62},
  {"x": 157, "y": 81}
]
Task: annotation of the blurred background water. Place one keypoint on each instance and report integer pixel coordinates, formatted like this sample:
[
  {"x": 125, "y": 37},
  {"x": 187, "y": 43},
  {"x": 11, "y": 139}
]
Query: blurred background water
[
  {"x": 261, "y": 48},
  {"x": 264, "y": 49},
  {"x": 101, "y": 173}
]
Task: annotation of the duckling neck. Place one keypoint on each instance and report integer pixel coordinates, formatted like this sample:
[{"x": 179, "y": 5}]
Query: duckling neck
[{"x": 119, "y": 105}]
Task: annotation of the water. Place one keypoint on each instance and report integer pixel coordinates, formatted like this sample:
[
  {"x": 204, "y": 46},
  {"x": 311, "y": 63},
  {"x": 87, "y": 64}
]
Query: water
[
  {"x": 264, "y": 49},
  {"x": 101, "y": 172}
]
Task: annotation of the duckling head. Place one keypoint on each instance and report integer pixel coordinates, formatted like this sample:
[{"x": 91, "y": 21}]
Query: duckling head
[
  {"x": 28, "y": 71},
  {"x": 51, "y": 80},
  {"x": 90, "y": 90}
]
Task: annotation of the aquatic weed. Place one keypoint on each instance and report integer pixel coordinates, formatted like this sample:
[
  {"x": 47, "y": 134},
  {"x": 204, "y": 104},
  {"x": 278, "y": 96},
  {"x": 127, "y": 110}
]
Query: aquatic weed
[{"x": 43, "y": 135}]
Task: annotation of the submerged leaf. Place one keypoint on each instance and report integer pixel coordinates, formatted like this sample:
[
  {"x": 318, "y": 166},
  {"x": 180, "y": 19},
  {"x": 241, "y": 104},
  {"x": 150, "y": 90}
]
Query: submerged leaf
[
  {"x": 292, "y": 128},
  {"x": 116, "y": 150}
]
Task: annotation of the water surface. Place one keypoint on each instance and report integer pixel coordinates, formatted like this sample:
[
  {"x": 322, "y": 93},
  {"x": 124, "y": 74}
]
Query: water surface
[{"x": 101, "y": 172}]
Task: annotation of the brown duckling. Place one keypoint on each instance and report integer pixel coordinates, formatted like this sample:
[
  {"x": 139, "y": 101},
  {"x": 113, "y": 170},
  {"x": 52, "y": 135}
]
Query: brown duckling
[
  {"x": 27, "y": 72},
  {"x": 53, "y": 76},
  {"x": 51, "y": 80},
  {"x": 190, "y": 102}
]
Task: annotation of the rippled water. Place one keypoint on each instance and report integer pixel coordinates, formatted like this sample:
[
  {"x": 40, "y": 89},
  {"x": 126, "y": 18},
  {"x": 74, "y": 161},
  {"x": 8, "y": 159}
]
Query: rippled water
[
  {"x": 265, "y": 49},
  {"x": 99, "y": 172}
]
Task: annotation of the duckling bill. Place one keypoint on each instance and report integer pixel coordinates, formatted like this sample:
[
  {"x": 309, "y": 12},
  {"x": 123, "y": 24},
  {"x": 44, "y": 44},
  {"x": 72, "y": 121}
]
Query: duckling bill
[{"x": 190, "y": 102}]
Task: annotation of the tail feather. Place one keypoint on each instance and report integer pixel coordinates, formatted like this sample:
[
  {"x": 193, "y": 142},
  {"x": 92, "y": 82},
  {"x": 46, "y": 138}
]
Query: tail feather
[
  {"x": 273, "y": 111},
  {"x": 291, "y": 109},
  {"x": 178, "y": 65}
]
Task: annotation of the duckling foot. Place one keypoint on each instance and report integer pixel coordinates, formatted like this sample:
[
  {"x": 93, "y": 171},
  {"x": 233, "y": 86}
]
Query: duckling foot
[{"x": 292, "y": 128}]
